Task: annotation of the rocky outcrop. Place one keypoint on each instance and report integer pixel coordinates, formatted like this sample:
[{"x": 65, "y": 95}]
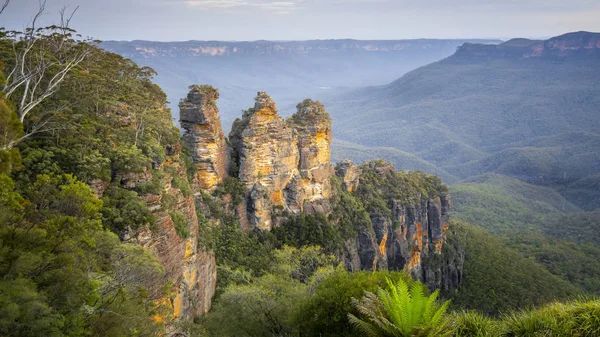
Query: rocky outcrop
[
  {"x": 283, "y": 164},
  {"x": 410, "y": 238},
  {"x": 267, "y": 155},
  {"x": 191, "y": 271},
  {"x": 349, "y": 173},
  {"x": 199, "y": 117},
  {"x": 311, "y": 189}
]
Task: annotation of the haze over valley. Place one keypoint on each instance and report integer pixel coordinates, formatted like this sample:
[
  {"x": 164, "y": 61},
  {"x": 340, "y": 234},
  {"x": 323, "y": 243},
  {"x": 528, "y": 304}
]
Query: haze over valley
[{"x": 300, "y": 168}]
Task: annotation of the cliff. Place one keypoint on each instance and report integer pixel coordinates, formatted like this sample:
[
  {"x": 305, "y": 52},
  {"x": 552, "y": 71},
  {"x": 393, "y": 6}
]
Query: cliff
[
  {"x": 174, "y": 240},
  {"x": 285, "y": 168},
  {"x": 283, "y": 164},
  {"x": 409, "y": 218},
  {"x": 211, "y": 49},
  {"x": 204, "y": 136},
  {"x": 577, "y": 44}
]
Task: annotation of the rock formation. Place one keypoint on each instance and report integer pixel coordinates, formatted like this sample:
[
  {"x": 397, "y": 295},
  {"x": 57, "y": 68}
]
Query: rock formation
[
  {"x": 204, "y": 136},
  {"x": 267, "y": 155},
  {"x": 191, "y": 270},
  {"x": 283, "y": 164},
  {"x": 285, "y": 168},
  {"x": 311, "y": 189},
  {"x": 409, "y": 239},
  {"x": 349, "y": 174}
]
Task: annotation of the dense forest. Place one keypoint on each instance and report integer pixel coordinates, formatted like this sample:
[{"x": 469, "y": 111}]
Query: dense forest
[{"x": 94, "y": 176}]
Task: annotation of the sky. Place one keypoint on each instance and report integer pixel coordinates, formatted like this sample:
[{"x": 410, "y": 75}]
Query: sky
[{"x": 248, "y": 20}]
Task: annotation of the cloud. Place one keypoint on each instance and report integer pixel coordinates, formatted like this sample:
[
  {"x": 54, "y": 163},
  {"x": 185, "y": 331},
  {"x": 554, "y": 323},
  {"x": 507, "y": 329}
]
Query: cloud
[{"x": 278, "y": 7}]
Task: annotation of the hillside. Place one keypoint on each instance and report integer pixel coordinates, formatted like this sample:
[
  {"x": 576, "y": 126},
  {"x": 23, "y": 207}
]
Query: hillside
[
  {"x": 289, "y": 70},
  {"x": 114, "y": 223},
  {"x": 527, "y": 110}
]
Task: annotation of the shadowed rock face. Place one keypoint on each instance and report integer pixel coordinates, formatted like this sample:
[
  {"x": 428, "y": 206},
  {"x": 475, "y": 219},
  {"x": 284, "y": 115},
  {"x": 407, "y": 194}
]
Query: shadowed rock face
[
  {"x": 284, "y": 164},
  {"x": 410, "y": 239},
  {"x": 191, "y": 270},
  {"x": 204, "y": 136},
  {"x": 268, "y": 158}
]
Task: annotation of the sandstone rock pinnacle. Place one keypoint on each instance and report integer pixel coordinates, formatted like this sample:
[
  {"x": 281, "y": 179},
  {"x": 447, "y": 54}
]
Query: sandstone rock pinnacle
[{"x": 204, "y": 136}]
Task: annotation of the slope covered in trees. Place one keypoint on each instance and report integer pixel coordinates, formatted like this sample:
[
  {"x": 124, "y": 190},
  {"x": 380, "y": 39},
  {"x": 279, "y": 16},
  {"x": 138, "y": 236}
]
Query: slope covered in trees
[{"x": 497, "y": 109}]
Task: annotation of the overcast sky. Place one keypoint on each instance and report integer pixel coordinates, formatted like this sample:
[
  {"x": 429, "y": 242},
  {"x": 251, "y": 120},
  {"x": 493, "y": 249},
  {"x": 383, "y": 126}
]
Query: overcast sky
[{"x": 176, "y": 20}]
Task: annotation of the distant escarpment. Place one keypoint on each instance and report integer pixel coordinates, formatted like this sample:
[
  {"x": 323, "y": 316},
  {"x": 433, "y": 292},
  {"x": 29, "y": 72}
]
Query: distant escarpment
[
  {"x": 386, "y": 220},
  {"x": 571, "y": 44}
]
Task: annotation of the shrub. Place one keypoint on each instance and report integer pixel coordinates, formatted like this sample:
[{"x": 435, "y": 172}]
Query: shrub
[
  {"x": 401, "y": 311},
  {"x": 474, "y": 324},
  {"x": 182, "y": 224},
  {"x": 577, "y": 319},
  {"x": 325, "y": 313}
]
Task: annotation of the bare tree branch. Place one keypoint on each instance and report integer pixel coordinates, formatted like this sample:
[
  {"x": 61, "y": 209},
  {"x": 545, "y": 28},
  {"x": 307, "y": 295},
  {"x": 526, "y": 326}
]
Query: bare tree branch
[
  {"x": 4, "y": 6},
  {"x": 43, "y": 59}
]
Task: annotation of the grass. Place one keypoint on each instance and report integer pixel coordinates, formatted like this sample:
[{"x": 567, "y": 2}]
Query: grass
[{"x": 579, "y": 318}]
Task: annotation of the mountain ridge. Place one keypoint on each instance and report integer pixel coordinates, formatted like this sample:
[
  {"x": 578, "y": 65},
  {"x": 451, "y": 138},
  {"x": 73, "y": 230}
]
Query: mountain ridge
[{"x": 528, "y": 117}]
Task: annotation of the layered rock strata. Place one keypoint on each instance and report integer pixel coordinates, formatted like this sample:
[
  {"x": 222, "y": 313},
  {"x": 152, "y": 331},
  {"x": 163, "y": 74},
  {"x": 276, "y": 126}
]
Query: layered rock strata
[
  {"x": 199, "y": 117},
  {"x": 410, "y": 239},
  {"x": 191, "y": 271},
  {"x": 283, "y": 164}
]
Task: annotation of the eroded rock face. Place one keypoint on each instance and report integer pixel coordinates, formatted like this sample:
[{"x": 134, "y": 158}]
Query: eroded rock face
[
  {"x": 204, "y": 136},
  {"x": 191, "y": 271},
  {"x": 284, "y": 164},
  {"x": 349, "y": 173},
  {"x": 311, "y": 190},
  {"x": 411, "y": 239},
  {"x": 267, "y": 155}
]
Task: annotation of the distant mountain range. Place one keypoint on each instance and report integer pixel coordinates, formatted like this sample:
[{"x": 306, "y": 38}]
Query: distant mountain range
[
  {"x": 289, "y": 71},
  {"x": 526, "y": 109}
]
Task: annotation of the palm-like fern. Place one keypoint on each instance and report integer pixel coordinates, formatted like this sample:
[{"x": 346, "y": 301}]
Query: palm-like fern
[{"x": 401, "y": 312}]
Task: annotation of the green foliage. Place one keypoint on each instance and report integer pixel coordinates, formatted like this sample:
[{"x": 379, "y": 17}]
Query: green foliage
[
  {"x": 261, "y": 309},
  {"x": 129, "y": 159},
  {"x": 183, "y": 185},
  {"x": 301, "y": 264},
  {"x": 537, "y": 222},
  {"x": 25, "y": 312},
  {"x": 236, "y": 249},
  {"x": 500, "y": 204},
  {"x": 401, "y": 311},
  {"x": 124, "y": 209},
  {"x": 474, "y": 324},
  {"x": 234, "y": 187},
  {"x": 62, "y": 274},
  {"x": 379, "y": 182},
  {"x": 268, "y": 305},
  {"x": 182, "y": 224},
  {"x": 347, "y": 211},
  {"x": 576, "y": 263},
  {"x": 325, "y": 313},
  {"x": 578, "y": 319},
  {"x": 497, "y": 278},
  {"x": 306, "y": 230}
]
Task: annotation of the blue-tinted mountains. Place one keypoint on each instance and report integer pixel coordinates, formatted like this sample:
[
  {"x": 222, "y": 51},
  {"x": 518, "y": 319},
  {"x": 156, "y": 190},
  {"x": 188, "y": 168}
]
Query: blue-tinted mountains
[
  {"x": 527, "y": 109},
  {"x": 289, "y": 70}
]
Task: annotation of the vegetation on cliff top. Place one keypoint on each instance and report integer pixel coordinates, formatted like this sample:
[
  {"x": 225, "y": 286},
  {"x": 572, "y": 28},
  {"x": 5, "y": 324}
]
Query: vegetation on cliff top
[{"x": 64, "y": 270}]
